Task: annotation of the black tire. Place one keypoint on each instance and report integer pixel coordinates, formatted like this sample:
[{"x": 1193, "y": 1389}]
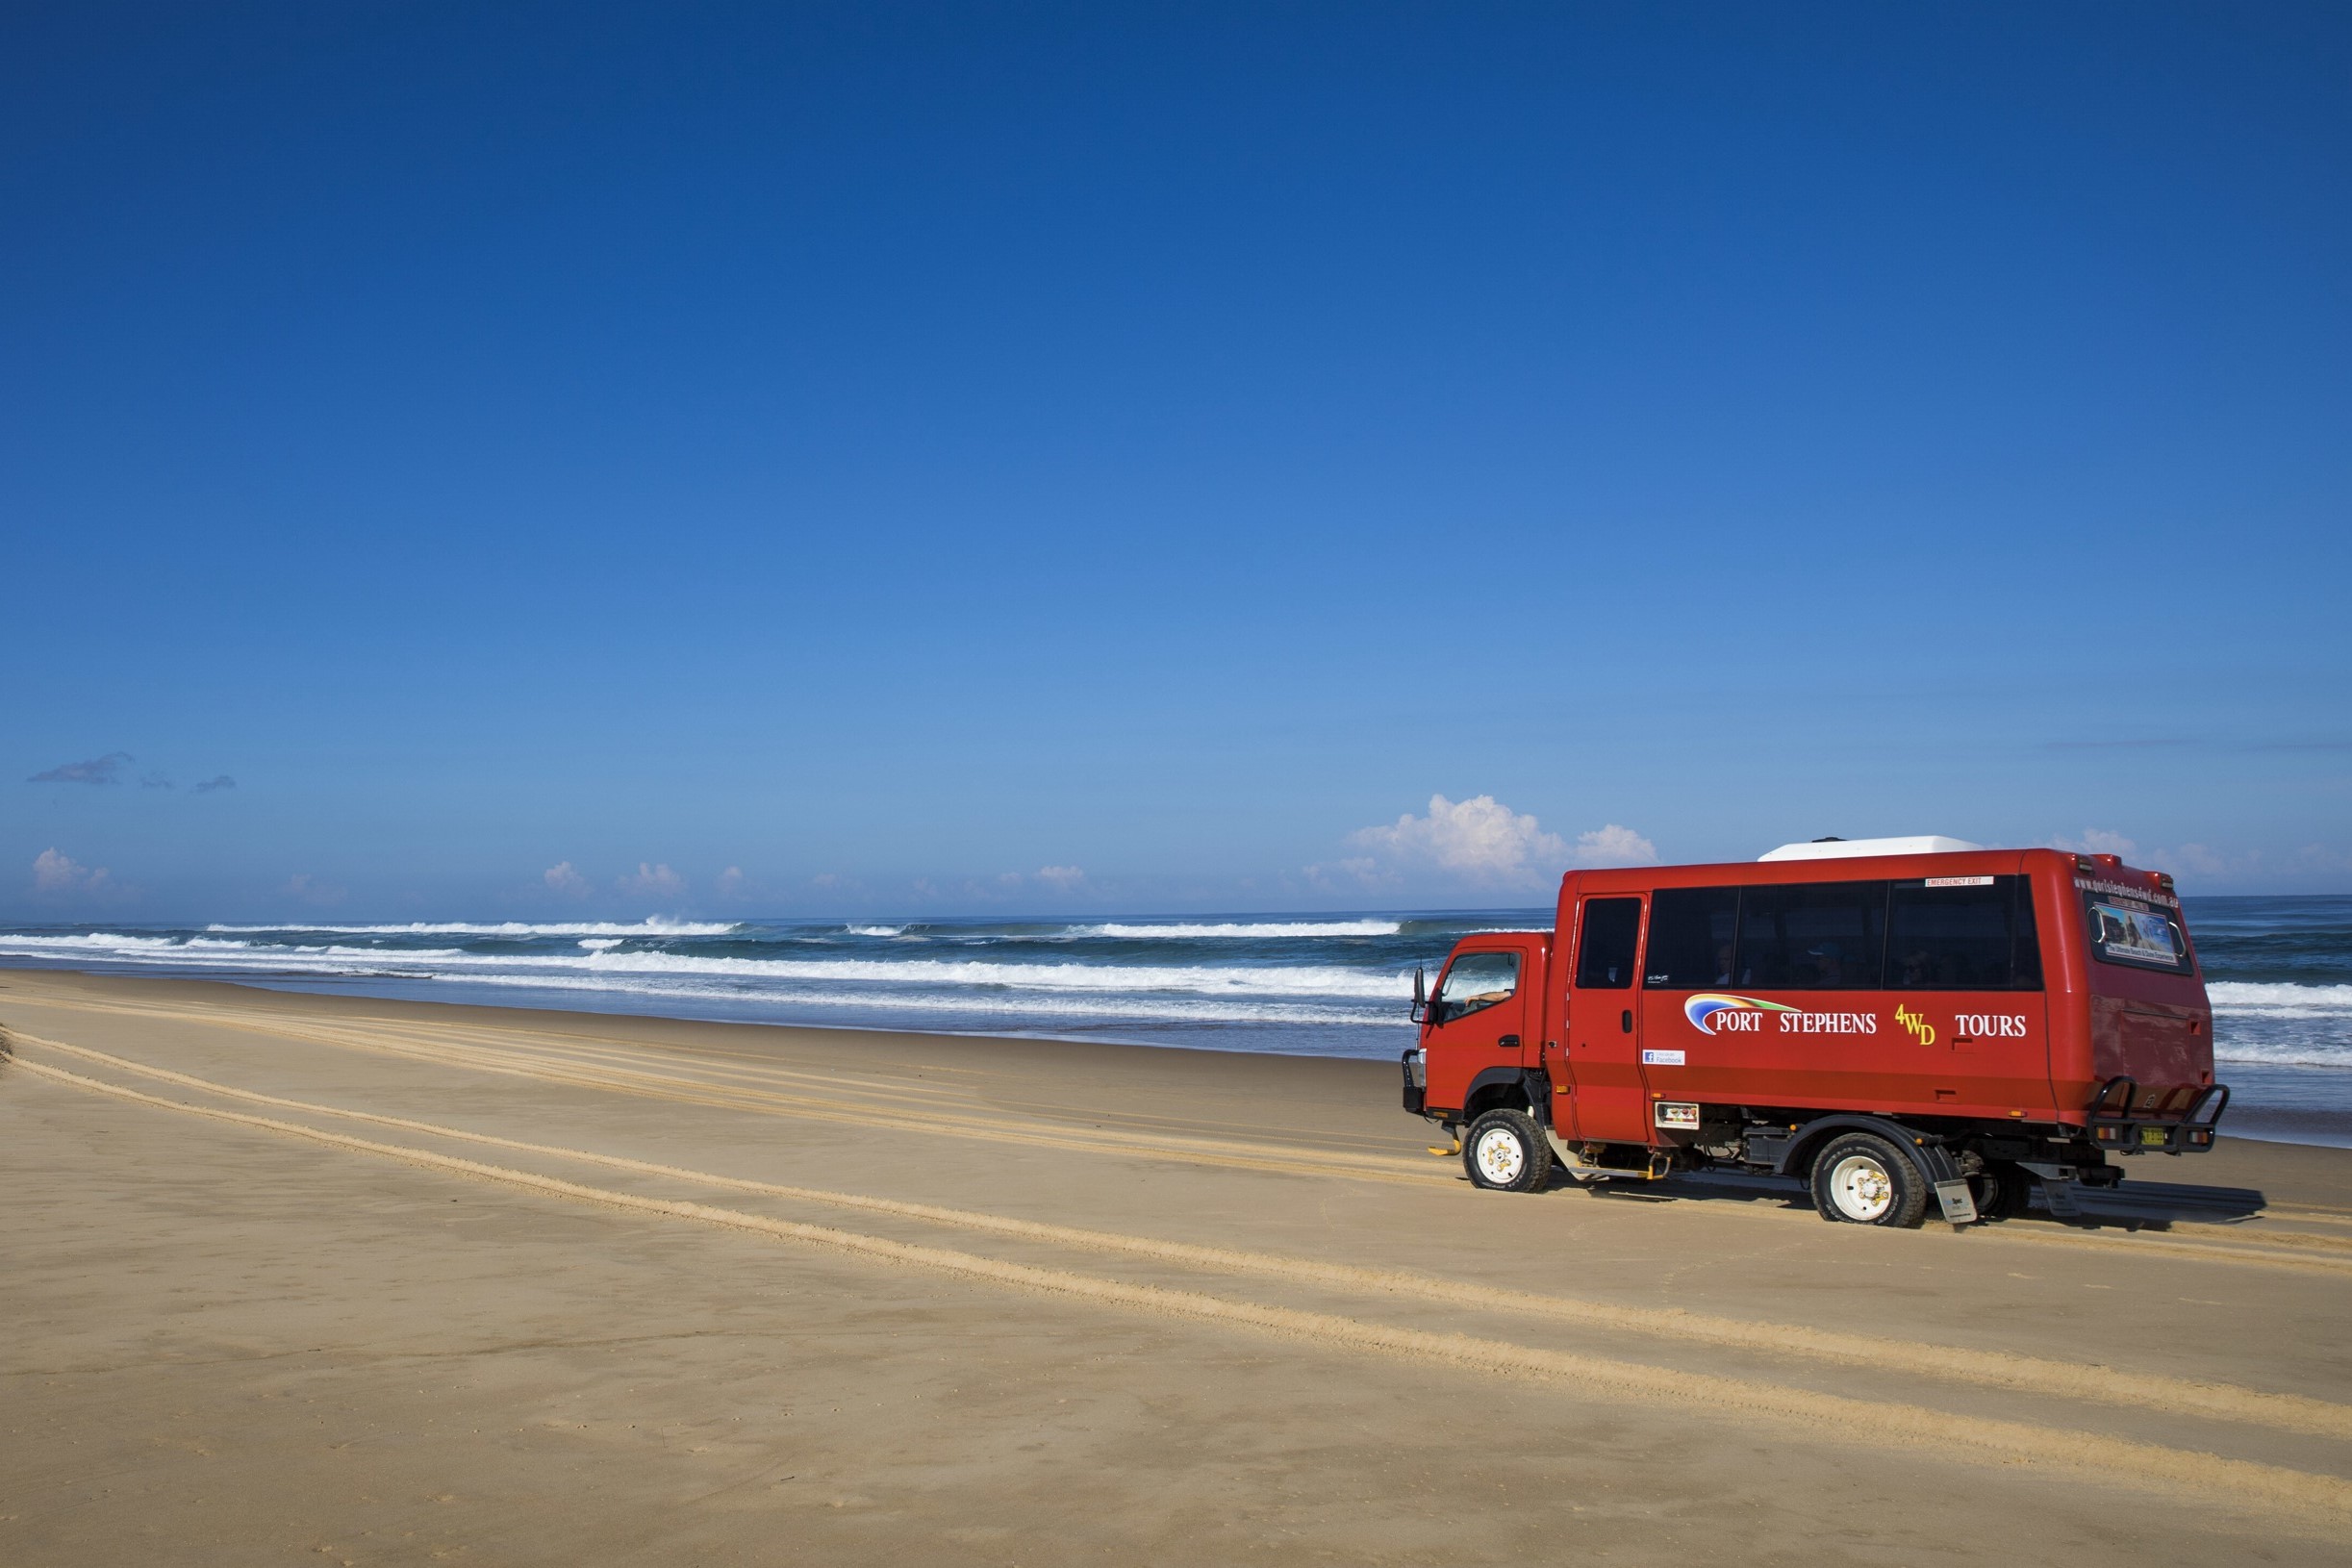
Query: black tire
[
  {"x": 2003, "y": 1190},
  {"x": 1861, "y": 1179},
  {"x": 1505, "y": 1152}
]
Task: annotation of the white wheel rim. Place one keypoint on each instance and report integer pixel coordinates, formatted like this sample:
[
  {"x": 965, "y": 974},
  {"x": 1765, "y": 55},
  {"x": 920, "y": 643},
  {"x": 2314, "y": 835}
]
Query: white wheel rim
[
  {"x": 1500, "y": 1157},
  {"x": 1861, "y": 1188}
]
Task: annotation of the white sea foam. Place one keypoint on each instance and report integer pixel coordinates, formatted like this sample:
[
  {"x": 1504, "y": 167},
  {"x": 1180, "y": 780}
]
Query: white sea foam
[
  {"x": 975, "y": 1003},
  {"x": 928, "y": 974},
  {"x": 2278, "y": 1024},
  {"x": 621, "y": 928},
  {"x": 1253, "y": 979},
  {"x": 876, "y": 930},
  {"x": 2278, "y": 999},
  {"x": 1269, "y": 928},
  {"x": 109, "y": 941},
  {"x": 209, "y": 951}
]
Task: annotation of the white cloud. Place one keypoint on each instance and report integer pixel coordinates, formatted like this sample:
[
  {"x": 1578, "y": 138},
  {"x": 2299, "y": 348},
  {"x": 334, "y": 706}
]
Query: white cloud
[
  {"x": 733, "y": 884},
  {"x": 2319, "y": 857},
  {"x": 1614, "y": 845},
  {"x": 59, "y": 874},
  {"x": 2200, "y": 861},
  {"x": 654, "y": 882},
  {"x": 561, "y": 878},
  {"x": 1477, "y": 840},
  {"x": 1062, "y": 878},
  {"x": 1355, "y": 873},
  {"x": 311, "y": 891},
  {"x": 2200, "y": 866},
  {"x": 2097, "y": 841}
]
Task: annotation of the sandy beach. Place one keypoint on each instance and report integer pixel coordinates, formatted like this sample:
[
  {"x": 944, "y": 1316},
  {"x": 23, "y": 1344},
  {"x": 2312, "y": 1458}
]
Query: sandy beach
[{"x": 303, "y": 1278}]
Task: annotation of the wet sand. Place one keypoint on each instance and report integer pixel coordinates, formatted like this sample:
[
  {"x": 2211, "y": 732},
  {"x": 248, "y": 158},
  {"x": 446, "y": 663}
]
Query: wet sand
[{"x": 296, "y": 1277}]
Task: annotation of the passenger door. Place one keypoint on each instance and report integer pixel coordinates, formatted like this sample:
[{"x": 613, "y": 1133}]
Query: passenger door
[
  {"x": 1479, "y": 1016},
  {"x": 1603, "y": 1029}
]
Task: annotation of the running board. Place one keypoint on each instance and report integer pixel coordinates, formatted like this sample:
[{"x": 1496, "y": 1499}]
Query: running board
[{"x": 1580, "y": 1169}]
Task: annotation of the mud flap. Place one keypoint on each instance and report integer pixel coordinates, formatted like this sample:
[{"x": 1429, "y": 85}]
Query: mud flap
[{"x": 1959, "y": 1203}]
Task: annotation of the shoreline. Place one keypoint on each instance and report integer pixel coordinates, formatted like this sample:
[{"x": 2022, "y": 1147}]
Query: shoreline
[{"x": 2281, "y": 1113}]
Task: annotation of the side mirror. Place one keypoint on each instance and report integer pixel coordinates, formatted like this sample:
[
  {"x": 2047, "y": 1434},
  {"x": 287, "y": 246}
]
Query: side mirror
[{"x": 1421, "y": 994}]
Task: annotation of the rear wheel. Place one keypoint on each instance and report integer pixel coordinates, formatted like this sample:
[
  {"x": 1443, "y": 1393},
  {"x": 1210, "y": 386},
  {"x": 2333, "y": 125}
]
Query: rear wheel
[
  {"x": 1506, "y": 1150},
  {"x": 1863, "y": 1179},
  {"x": 2002, "y": 1190}
]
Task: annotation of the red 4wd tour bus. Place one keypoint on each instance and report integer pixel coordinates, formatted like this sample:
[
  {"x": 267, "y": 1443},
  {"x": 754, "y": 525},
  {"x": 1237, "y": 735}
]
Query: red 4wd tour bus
[{"x": 1894, "y": 1020}]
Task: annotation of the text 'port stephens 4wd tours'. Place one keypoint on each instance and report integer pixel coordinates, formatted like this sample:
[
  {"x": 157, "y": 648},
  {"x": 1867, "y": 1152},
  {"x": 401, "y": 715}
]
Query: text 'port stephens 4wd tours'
[{"x": 1898, "y": 1021}]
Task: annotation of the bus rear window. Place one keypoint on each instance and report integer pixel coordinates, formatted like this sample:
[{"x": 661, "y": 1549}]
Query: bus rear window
[{"x": 2136, "y": 932}]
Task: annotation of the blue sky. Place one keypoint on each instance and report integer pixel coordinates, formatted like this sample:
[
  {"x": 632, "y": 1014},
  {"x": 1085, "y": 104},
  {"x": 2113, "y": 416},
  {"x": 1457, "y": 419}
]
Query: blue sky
[{"x": 1007, "y": 457}]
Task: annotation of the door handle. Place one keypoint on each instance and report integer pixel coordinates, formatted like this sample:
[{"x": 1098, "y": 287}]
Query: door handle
[
  {"x": 1625, "y": 1020},
  {"x": 1510, "y": 1042}
]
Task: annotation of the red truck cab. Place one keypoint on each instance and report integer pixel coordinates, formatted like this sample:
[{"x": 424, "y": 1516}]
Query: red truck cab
[{"x": 1898, "y": 1021}]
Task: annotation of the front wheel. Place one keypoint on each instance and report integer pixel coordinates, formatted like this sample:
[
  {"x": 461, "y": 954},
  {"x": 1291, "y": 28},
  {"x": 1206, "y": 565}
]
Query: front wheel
[
  {"x": 1504, "y": 1151},
  {"x": 1863, "y": 1179}
]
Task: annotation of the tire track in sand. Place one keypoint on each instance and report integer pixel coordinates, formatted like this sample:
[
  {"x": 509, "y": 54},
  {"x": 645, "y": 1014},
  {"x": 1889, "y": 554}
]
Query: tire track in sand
[
  {"x": 2322, "y": 1502},
  {"x": 2276, "y": 1248},
  {"x": 2032, "y": 1375},
  {"x": 547, "y": 1065}
]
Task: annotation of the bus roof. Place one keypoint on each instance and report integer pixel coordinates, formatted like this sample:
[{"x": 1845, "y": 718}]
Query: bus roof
[{"x": 1926, "y": 844}]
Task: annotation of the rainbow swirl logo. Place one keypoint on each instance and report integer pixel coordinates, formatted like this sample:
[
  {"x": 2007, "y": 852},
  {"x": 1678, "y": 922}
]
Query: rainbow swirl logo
[{"x": 1702, "y": 1008}]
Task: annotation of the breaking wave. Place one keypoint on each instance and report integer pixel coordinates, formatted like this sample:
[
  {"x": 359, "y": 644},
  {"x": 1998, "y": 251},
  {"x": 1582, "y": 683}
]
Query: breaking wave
[
  {"x": 511, "y": 928},
  {"x": 2282, "y": 1024},
  {"x": 602, "y": 960},
  {"x": 1243, "y": 931}
]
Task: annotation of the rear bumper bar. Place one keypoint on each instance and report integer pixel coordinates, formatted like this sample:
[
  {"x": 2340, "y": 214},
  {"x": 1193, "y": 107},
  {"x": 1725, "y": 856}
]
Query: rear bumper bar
[{"x": 2112, "y": 1126}]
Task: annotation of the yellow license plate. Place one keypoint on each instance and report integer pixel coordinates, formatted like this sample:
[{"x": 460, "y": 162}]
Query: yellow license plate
[{"x": 2152, "y": 1135}]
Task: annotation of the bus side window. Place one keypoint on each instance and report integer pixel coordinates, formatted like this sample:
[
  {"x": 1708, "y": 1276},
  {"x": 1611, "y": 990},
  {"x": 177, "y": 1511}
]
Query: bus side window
[
  {"x": 1949, "y": 938},
  {"x": 2026, "y": 945},
  {"x": 1604, "y": 952},
  {"x": 1972, "y": 936},
  {"x": 1812, "y": 936},
  {"x": 1690, "y": 938}
]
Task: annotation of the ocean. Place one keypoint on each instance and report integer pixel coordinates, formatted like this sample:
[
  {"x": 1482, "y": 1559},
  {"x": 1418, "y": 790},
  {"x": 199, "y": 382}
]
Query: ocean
[{"x": 2278, "y": 970}]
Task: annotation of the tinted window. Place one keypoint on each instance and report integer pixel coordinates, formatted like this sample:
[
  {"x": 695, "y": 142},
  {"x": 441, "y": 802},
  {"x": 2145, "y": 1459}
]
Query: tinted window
[
  {"x": 1477, "y": 980},
  {"x": 1690, "y": 938},
  {"x": 2138, "y": 931},
  {"x": 2029, "y": 939},
  {"x": 1965, "y": 935},
  {"x": 1830, "y": 936},
  {"x": 1604, "y": 955}
]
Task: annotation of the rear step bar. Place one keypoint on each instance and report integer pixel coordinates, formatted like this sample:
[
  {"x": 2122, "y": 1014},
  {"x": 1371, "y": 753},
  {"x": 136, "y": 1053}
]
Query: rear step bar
[{"x": 2111, "y": 1124}]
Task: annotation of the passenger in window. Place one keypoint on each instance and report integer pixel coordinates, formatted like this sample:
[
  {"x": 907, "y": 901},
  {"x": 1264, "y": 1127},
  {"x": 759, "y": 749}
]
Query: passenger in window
[
  {"x": 1829, "y": 965},
  {"x": 1723, "y": 965}
]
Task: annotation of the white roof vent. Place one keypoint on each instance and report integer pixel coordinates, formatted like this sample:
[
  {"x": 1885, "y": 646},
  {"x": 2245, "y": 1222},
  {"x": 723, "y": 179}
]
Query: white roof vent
[{"x": 1926, "y": 844}]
